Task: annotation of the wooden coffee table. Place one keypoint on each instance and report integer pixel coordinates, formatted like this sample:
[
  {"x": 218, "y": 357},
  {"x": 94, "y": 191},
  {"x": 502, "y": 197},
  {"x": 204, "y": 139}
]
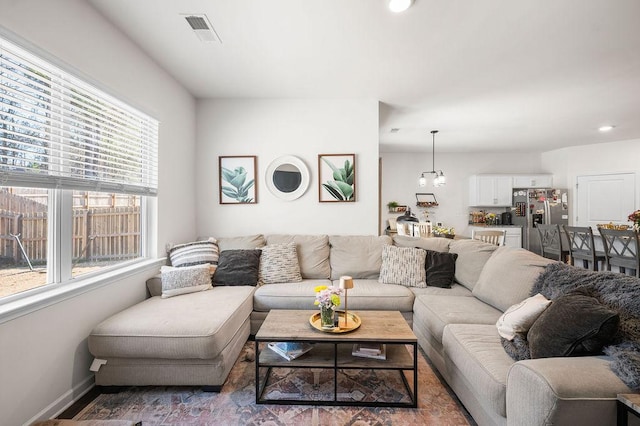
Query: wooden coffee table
[{"x": 333, "y": 351}]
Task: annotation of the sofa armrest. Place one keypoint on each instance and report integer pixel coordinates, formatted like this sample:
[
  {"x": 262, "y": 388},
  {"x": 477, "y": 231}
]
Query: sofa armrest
[{"x": 563, "y": 391}]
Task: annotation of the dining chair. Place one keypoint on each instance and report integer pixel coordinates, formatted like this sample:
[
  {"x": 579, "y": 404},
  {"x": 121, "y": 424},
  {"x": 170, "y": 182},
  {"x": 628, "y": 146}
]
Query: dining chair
[
  {"x": 551, "y": 242},
  {"x": 490, "y": 236},
  {"x": 422, "y": 229},
  {"x": 582, "y": 247},
  {"x": 621, "y": 249}
]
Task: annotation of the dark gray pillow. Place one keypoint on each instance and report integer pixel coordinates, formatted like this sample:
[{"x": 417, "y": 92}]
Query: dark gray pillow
[
  {"x": 237, "y": 267},
  {"x": 441, "y": 268},
  {"x": 575, "y": 324}
]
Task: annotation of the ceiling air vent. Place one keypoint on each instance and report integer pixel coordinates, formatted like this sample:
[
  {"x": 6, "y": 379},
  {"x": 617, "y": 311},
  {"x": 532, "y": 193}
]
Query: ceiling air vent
[
  {"x": 395, "y": 130},
  {"x": 202, "y": 27}
]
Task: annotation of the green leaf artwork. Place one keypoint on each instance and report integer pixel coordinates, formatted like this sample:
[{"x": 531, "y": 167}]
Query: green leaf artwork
[
  {"x": 341, "y": 187},
  {"x": 238, "y": 188}
]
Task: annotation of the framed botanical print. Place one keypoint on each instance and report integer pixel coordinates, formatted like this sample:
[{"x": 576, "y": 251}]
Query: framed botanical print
[
  {"x": 337, "y": 177},
  {"x": 237, "y": 179}
]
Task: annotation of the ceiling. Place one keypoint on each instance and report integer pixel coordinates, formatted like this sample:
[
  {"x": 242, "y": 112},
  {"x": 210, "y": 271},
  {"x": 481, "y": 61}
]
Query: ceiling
[{"x": 491, "y": 75}]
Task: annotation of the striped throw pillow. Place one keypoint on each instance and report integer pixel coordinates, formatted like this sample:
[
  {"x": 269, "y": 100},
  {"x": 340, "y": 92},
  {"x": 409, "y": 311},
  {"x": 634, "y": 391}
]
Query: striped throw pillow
[
  {"x": 279, "y": 264},
  {"x": 195, "y": 253},
  {"x": 404, "y": 266}
]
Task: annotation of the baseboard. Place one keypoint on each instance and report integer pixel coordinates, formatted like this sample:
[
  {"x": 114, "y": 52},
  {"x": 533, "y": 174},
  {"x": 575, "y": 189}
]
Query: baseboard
[{"x": 64, "y": 401}]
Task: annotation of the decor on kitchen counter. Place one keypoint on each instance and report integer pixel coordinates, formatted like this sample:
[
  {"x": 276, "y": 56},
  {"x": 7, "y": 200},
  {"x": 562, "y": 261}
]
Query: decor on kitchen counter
[
  {"x": 635, "y": 218},
  {"x": 444, "y": 232}
]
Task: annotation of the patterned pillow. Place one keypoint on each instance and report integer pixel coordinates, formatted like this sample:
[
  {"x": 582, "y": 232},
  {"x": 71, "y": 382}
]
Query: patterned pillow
[
  {"x": 196, "y": 253},
  {"x": 403, "y": 265},
  {"x": 279, "y": 264},
  {"x": 188, "y": 279}
]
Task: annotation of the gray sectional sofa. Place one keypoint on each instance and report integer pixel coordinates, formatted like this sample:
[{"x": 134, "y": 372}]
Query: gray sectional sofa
[{"x": 194, "y": 339}]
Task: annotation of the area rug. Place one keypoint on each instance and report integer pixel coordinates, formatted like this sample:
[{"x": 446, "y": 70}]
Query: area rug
[{"x": 235, "y": 404}]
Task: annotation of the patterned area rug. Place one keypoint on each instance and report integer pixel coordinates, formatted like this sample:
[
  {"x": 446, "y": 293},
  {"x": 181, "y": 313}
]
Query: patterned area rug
[{"x": 235, "y": 404}]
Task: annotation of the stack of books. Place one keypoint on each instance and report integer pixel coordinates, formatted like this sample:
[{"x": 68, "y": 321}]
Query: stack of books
[
  {"x": 370, "y": 350},
  {"x": 290, "y": 350}
]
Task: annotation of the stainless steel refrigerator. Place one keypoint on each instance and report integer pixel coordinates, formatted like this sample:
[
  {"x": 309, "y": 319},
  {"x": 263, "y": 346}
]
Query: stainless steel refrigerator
[{"x": 534, "y": 205}]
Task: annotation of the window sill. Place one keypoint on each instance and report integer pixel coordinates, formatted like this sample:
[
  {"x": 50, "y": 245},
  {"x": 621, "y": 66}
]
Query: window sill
[{"x": 58, "y": 293}]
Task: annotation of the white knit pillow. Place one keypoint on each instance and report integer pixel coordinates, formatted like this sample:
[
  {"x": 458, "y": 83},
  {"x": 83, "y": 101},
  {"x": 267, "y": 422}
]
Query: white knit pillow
[
  {"x": 188, "y": 279},
  {"x": 279, "y": 264},
  {"x": 403, "y": 265},
  {"x": 520, "y": 317}
]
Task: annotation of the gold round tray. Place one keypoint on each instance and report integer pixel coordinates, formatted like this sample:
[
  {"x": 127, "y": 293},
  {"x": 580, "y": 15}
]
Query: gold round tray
[{"x": 353, "y": 322}]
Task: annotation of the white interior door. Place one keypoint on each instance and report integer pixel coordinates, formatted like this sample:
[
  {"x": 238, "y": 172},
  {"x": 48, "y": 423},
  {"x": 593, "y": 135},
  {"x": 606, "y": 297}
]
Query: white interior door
[{"x": 604, "y": 199}]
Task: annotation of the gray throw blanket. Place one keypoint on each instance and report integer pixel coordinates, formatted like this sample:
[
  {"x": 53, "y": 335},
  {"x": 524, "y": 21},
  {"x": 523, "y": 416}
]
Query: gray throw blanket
[{"x": 618, "y": 292}]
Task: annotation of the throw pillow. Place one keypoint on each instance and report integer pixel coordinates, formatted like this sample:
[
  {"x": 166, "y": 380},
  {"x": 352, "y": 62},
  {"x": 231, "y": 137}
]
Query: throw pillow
[
  {"x": 574, "y": 324},
  {"x": 279, "y": 264},
  {"x": 188, "y": 279},
  {"x": 237, "y": 267},
  {"x": 520, "y": 317},
  {"x": 195, "y": 253},
  {"x": 441, "y": 268},
  {"x": 403, "y": 265}
]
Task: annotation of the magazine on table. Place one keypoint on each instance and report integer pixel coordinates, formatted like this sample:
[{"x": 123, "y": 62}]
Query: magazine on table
[
  {"x": 370, "y": 350},
  {"x": 290, "y": 350}
]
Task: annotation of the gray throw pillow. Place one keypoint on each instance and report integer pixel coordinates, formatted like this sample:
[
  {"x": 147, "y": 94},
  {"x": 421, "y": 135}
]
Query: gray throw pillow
[
  {"x": 195, "y": 253},
  {"x": 575, "y": 324},
  {"x": 237, "y": 267}
]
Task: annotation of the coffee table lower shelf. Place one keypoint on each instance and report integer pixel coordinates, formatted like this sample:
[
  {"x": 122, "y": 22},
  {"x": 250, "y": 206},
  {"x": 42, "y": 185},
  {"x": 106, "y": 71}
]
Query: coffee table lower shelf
[{"x": 336, "y": 356}]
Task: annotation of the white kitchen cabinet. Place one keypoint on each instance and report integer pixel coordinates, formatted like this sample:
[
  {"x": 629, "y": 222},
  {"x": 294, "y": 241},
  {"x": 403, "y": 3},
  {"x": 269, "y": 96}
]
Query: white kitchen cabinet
[
  {"x": 533, "y": 181},
  {"x": 513, "y": 237},
  {"x": 490, "y": 190}
]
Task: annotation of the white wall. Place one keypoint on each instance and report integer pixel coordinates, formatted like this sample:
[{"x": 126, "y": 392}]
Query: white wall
[
  {"x": 400, "y": 173},
  {"x": 43, "y": 358},
  {"x": 603, "y": 158},
  {"x": 270, "y": 129}
]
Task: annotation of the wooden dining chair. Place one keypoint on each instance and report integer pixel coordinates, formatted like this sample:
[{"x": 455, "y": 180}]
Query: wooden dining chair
[
  {"x": 551, "y": 242},
  {"x": 582, "y": 247},
  {"x": 621, "y": 249},
  {"x": 490, "y": 236},
  {"x": 422, "y": 229}
]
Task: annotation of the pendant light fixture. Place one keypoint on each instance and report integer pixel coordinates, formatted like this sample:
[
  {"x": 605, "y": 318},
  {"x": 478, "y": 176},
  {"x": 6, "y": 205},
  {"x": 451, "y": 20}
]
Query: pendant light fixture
[{"x": 438, "y": 178}]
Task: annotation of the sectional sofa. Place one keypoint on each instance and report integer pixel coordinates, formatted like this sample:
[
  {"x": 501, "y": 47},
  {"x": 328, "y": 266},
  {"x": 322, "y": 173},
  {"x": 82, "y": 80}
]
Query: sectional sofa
[{"x": 194, "y": 339}]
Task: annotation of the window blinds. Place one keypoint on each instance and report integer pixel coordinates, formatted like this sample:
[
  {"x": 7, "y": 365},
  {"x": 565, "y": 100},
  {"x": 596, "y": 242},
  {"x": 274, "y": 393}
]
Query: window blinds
[{"x": 58, "y": 132}]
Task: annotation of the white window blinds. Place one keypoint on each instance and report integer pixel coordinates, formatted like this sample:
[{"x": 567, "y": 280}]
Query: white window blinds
[{"x": 59, "y": 132}]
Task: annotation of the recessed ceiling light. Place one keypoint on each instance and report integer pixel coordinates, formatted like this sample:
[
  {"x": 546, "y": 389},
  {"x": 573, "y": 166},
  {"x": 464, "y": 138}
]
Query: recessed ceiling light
[
  {"x": 398, "y": 6},
  {"x": 605, "y": 128}
]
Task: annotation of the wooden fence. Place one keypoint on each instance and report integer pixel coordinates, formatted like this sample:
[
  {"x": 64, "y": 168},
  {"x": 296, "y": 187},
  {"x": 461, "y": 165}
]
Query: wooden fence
[{"x": 99, "y": 234}]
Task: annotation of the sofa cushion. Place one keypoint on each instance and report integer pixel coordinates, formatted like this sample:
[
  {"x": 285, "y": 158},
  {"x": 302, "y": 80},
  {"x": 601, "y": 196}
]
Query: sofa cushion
[
  {"x": 403, "y": 265},
  {"x": 474, "y": 350},
  {"x": 574, "y": 324},
  {"x": 508, "y": 276},
  {"x": 436, "y": 312},
  {"x": 365, "y": 295},
  {"x": 440, "y": 268},
  {"x": 195, "y": 253},
  {"x": 279, "y": 264},
  {"x": 454, "y": 290},
  {"x": 241, "y": 243},
  {"x": 313, "y": 253},
  {"x": 359, "y": 256},
  {"x": 237, "y": 267},
  {"x": 520, "y": 317},
  {"x": 188, "y": 279},
  {"x": 184, "y": 327},
  {"x": 472, "y": 255},
  {"x": 435, "y": 243}
]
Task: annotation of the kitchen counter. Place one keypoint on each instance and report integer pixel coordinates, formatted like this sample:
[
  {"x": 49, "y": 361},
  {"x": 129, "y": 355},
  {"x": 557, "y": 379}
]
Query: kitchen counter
[{"x": 494, "y": 226}]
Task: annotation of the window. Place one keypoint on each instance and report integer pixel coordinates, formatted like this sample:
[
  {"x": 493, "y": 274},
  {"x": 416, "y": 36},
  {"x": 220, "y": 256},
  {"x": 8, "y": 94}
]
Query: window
[{"x": 77, "y": 167}]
